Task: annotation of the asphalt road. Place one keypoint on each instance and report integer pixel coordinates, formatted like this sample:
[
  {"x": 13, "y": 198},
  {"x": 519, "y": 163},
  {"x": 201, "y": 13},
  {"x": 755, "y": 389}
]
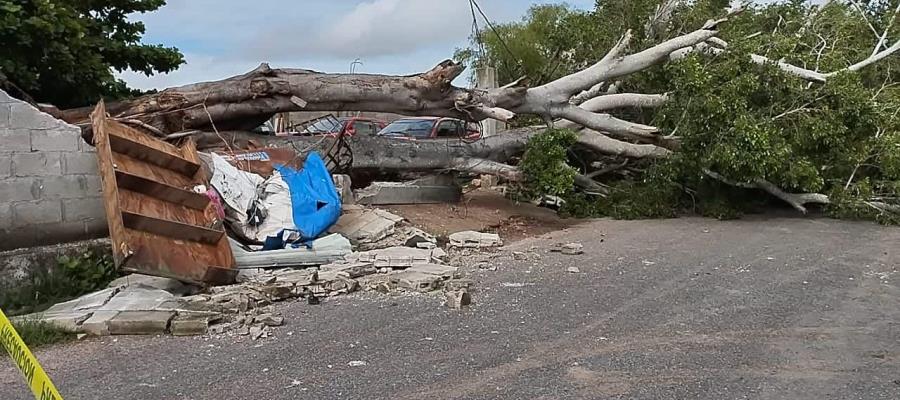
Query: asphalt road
[{"x": 677, "y": 309}]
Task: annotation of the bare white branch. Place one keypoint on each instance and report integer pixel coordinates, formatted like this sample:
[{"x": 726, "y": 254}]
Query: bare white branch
[{"x": 796, "y": 200}]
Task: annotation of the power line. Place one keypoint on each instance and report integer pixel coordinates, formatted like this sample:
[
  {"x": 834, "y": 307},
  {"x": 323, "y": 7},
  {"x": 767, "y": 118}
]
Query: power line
[{"x": 473, "y": 3}]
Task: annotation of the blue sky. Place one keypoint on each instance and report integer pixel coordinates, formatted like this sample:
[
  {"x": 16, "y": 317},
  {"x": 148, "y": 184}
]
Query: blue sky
[{"x": 221, "y": 38}]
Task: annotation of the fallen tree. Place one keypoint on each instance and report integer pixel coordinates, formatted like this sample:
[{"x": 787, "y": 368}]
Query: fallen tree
[{"x": 592, "y": 99}]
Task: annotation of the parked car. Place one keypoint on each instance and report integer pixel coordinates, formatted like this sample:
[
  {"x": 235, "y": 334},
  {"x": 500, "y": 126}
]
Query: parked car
[
  {"x": 350, "y": 126},
  {"x": 431, "y": 128}
]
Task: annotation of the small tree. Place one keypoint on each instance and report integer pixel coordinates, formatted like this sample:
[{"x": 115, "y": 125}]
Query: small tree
[{"x": 63, "y": 51}]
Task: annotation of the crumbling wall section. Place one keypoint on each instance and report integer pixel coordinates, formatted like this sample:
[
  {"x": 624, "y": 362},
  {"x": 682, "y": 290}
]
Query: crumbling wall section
[{"x": 49, "y": 185}]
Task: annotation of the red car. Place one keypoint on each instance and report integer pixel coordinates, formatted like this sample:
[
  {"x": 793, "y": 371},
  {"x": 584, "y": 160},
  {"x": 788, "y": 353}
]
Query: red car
[
  {"x": 431, "y": 128},
  {"x": 349, "y": 126}
]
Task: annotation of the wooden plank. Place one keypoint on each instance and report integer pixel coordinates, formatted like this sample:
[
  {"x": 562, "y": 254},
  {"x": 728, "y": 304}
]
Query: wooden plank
[
  {"x": 122, "y": 162},
  {"x": 127, "y": 140},
  {"x": 172, "y": 229},
  {"x": 137, "y": 203},
  {"x": 161, "y": 190},
  {"x": 194, "y": 262},
  {"x": 121, "y": 248}
]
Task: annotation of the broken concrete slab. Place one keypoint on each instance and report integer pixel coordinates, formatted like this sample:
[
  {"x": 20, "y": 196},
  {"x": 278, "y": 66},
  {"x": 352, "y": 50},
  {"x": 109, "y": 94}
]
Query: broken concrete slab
[
  {"x": 323, "y": 251},
  {"x": 268, "y": 320},
  {"x": 363, "y": 225},
  {"x": 89, "y": 301},
  {"x": 418, "y": 238},
  {"x": 140, "y": 322},
  {"x": 415, "y": 280},
  {"x": 137, "y": 298},
  {"x": 98, "y": 323},
  {"x": 192, "y": 323},
  {"x": 392, "y": 257},
  {"x": 170, "y": 285},
  {"x": 444, "y": 271},
  {"x": 473, "y": 239},
  {"x": 457, "y": 299},
  {"x": 385, "y": 193},
  {"x": 352, "y": 270},
  {"x": 568, "y": 248}
]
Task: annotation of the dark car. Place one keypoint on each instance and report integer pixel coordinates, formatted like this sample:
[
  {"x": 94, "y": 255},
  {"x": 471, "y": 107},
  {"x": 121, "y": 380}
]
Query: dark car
[
  {"x": 349, "y": 126},
  {"x": 430, "y": 128}
]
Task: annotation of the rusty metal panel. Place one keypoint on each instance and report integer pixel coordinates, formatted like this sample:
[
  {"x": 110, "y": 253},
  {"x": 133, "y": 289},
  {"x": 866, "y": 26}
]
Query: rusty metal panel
[
  {"x": 158, "y": 225},
  {"x": 262, "y": 161}
]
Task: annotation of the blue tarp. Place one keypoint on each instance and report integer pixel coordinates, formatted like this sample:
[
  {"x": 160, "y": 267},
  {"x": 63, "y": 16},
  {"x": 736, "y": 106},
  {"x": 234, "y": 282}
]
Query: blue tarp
[{"x": 314, "y": 199}]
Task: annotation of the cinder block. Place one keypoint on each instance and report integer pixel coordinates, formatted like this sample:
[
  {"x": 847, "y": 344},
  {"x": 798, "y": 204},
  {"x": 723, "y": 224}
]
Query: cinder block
[
  {"x": 5, "y": 165},
  {"x": 5, "y": 214},
  {"x": 23, "y": 115},
  {"x": 19, "y": 189},
  {"x": 69, "y": 187},
  {"x": 37, "y": 164},
  {"x": 55, "y": 140},
  {"x": 36, "y": 212},
  {"x": 80, "y": 163},
  {"x": 83, "y": 209},
  {"x": 15, "y": 140}
]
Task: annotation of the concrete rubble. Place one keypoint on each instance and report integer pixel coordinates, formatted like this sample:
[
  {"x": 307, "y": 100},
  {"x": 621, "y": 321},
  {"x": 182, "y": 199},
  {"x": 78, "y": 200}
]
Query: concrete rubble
[
  {"x": 139, "y": 305},
  {"x": 568, "y": 248},
  {"x": 475, "y": 239}
]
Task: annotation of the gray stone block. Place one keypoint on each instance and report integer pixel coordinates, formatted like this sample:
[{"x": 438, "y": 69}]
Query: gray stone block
[
  {"x": 69, "y": 187},
  {"x": 54, "y": 140},
  {"x": 23, "y": 115},
  {"x": 20, "y": 189},
  {"x": 15, "y": 140},
  {"x": 380, "y": 193},
  {"x": 83, "y": 209},
  {"x": 84, "y": 163},
  {"x": 36, "y": 212},
  {"x": 5, "y": 165},
  {"x": 140, "y": 322},
  {"x": 37, "y": 164},
  {"x": 6, "y": 214}
]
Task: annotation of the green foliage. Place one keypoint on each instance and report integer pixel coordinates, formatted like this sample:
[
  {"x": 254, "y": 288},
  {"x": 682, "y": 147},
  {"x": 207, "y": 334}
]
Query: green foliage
[
  {"x": 743, "y": 120},
  {"x": 63, "y": 51},
  {"x": 39, "y": 333},
  {"x": 544, "y": 164},
  {"x": 73, "y": 276}
]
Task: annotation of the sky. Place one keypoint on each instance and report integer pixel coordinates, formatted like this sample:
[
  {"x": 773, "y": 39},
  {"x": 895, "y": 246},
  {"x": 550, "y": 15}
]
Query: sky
[{"x": 222, "y": 38}]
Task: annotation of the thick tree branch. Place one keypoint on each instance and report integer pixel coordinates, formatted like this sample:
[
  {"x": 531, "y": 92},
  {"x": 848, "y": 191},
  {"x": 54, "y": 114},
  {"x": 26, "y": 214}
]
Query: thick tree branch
[{"x": 796, "y": 200}]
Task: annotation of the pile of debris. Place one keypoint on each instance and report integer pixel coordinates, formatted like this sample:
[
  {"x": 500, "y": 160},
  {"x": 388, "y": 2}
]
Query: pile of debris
[{"x": 216, "y": 238}]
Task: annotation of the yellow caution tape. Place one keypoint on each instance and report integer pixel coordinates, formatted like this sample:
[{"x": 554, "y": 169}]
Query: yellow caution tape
[{"x": 37, "y": 379}]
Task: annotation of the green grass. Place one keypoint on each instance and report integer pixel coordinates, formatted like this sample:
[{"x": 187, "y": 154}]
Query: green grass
[{"x": 39, "y": 333}]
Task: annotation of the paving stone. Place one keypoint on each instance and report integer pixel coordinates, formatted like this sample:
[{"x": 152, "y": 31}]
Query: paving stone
[{"x": 140, "y": 322}]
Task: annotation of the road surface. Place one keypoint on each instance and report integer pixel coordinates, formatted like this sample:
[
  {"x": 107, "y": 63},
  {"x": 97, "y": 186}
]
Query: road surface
[{"x": 761, "y": 308}]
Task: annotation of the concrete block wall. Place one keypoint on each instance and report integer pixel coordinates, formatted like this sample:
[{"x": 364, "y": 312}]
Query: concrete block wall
[{"x": 49, "y": 186}]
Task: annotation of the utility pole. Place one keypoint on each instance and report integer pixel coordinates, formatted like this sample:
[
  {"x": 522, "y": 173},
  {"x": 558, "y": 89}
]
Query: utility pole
[
  {"x": 353, "y": 65},
  {"x": 486, "y": 78}
]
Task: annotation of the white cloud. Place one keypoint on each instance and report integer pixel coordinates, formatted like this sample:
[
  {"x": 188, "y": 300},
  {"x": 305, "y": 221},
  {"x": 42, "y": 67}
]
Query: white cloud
[{"x": 372, "y": 29}]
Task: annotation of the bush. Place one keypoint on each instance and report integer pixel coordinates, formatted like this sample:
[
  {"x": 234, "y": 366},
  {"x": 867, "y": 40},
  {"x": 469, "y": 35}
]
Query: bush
[{"x": 73, "y": 276}]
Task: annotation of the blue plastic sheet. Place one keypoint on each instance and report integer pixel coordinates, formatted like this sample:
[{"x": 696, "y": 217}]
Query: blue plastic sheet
[{"x": 314, "y": 199}]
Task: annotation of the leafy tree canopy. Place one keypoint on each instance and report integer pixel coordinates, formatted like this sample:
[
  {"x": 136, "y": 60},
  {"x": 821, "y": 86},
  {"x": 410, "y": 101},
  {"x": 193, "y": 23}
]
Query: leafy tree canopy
[
  {"x": 740, "y": 119},
  {"x": 64, "y": 51}
]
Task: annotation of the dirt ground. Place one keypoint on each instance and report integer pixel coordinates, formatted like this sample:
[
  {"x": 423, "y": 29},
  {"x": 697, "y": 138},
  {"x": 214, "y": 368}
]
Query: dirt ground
[{"x": 485, "y": 211}]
